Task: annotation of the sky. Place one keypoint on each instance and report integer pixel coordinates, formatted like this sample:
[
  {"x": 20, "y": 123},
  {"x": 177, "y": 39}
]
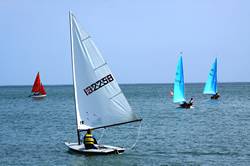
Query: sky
[{"x": 140, "y": 39}]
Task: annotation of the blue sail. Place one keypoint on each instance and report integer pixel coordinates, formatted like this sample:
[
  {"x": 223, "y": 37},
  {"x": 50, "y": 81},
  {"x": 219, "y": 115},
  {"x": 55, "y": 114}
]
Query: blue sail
[
  {"x": 179, "y": 95},
  {"x": 211, "y": 84}
]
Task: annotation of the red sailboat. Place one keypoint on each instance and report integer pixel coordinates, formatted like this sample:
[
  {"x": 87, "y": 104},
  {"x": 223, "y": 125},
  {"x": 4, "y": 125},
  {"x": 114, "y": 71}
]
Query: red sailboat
[{"x": 38, "y": 90}]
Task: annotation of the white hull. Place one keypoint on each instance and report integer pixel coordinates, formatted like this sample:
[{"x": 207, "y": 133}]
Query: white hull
[
  {"x": 191, "y": 107},
  {"x": 38, "y": 96},
  {"x": 103, "y": 149}
]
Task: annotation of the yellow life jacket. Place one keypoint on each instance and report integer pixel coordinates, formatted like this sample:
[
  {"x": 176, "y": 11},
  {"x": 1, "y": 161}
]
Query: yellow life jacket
[{"x": 88, "y": 139}]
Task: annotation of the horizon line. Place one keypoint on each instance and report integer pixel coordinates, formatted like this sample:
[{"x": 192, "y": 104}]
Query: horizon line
[{"x": 129, "y": 83}]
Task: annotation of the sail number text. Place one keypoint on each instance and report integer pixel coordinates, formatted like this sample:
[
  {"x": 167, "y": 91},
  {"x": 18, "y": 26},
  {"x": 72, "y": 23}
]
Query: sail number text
[{"x": 98, "y": 84}]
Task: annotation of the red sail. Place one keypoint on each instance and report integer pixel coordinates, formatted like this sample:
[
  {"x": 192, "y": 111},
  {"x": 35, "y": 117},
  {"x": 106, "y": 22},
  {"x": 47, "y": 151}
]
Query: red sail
[
  {"x": 42, "y": 90},
  {"x": 37, "y": 84}
]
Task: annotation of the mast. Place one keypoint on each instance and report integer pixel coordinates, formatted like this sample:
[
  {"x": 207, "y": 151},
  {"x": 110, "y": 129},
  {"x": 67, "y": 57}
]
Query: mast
[
  {"x": 73, "y": 76},
  {"x": 215, "y": 79}
]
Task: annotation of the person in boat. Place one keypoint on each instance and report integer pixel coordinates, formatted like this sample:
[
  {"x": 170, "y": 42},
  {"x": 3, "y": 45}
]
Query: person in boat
[
  {"x": 187, "y": 104},
  {"x": 89, "y": 140},
  {"x": 215, "y": 96},
  {"x": 36, "y": 94}
]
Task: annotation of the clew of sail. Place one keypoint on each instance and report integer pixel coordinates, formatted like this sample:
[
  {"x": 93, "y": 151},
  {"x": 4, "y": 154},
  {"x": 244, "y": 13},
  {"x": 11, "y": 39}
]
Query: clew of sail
[
  {"x": 179, "y": 95},
  {"x": 211, "y": 84},
  {"x": 98, "y": 98}
]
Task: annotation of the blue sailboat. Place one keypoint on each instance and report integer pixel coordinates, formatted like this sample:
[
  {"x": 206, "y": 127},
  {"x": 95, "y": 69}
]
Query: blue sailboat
[
  {"x": 211, "y": 84},
  {"x": 179, "y": 89}
]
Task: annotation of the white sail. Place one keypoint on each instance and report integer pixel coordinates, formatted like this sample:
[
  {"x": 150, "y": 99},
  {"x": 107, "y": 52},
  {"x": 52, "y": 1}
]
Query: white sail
[{"x": 99, "y": 99}]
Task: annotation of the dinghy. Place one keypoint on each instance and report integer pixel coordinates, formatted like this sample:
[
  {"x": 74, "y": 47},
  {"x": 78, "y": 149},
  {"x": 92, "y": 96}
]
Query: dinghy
[
  {"x": 211, "y": 84},
  {"x": 179, "y": 95},
  {"x": 99, "y": 101},
  {"x": 102, "y": 149},
  {"x": 38, "y": 90}
]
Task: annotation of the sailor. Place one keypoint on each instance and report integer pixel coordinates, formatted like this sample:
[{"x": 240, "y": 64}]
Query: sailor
[
  {"x": 89, "y": 140},
  {"x": 36, "y": 94},
  {"x": 191, "y": 101}
]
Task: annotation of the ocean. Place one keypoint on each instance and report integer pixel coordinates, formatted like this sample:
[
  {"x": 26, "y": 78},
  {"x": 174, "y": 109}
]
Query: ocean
[{"x": 214, "y": 132}]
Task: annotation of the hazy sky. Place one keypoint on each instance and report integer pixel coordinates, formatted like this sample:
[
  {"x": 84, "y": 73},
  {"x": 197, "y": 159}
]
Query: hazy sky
[{"x": 139, "y": 39}]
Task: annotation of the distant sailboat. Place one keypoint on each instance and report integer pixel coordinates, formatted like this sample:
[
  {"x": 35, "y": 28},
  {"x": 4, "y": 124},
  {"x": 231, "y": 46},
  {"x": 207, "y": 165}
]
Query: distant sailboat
[
  {"x": 179, "y": 90},
  {"x": 171, "y": 93},
  {"x": 38, "y": 90},
  {"x": 99, "y": 101},
  {"x": 211, "y": 84}
]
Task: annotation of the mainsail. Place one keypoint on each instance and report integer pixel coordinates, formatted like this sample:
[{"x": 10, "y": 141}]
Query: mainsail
[
  {"x": 37, "y": 84},
  {"x": 98, "y": 98},
  {"x": 211, "y": 84},
  {"x": 179, "y": 95}
]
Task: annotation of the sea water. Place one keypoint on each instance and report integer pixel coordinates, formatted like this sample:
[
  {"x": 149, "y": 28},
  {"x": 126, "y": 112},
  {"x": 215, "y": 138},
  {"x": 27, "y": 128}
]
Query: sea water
[{"x": 214, "y": 132}]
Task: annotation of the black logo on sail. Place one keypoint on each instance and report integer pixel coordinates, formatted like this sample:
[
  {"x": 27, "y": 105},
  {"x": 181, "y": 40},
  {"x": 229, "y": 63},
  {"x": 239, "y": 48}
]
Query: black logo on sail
[{"x": 98, "y": 84}]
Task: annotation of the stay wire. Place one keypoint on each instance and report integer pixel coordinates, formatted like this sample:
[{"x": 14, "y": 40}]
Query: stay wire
[{"x": 137, "y": 138}]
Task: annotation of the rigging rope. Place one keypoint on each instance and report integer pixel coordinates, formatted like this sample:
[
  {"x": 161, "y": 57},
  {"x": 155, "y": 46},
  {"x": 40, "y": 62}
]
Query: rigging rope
[
  {"x": 137, "y": 138},
  {"x": 99, "y": 140}
]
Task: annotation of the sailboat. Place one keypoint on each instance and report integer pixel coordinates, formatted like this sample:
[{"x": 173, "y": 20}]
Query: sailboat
[
  {"x": 38, "y": 90},
  {"x": 99, "y": 101},
  {"x": 179, "y": 89},
  {"x": 211, "y": 84}
]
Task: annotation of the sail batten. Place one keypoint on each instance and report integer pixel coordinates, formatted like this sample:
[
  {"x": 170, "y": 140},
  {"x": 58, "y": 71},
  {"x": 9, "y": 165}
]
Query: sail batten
[
  {"x": 94, "y": 85},
  {"x": 100, "y": 66},
  {"x": 211, "y": 83},
  {"x": 115, "y": 95},
  {"x": 86, "y": 38},
  {"x": 179, "y": 95}
]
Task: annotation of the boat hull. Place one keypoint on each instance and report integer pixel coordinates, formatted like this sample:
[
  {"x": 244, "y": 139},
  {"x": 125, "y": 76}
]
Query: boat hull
[
  {"x": 185, "y": 107},
  {"x": 102, "y": 150},
  {"x": 38, "y": 96},
  {"x": 191, "y": 107},
  {"x": 215, "y": 97}
]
